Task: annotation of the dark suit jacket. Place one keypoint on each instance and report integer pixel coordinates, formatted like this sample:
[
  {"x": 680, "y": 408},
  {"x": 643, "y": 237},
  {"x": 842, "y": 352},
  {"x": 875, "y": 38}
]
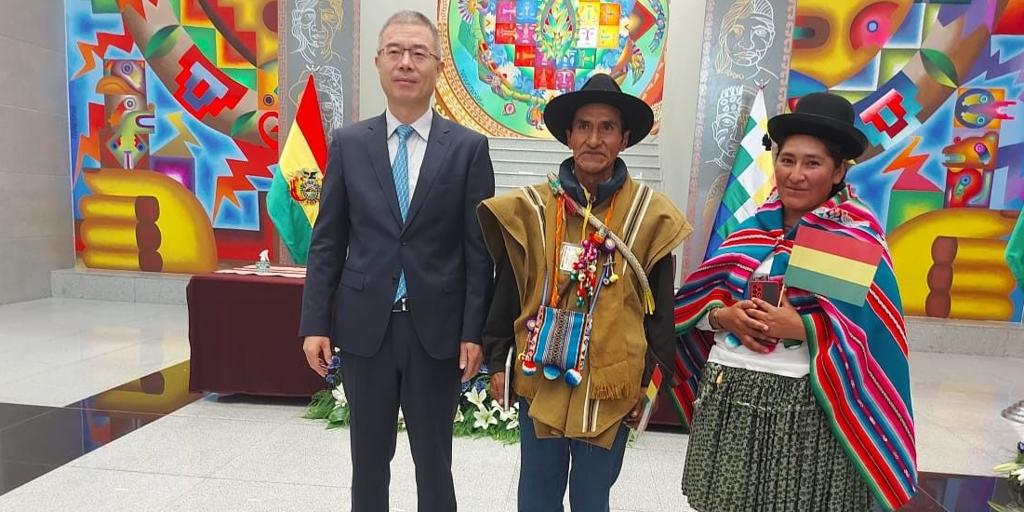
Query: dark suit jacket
[{"x": 359, "y": 241}]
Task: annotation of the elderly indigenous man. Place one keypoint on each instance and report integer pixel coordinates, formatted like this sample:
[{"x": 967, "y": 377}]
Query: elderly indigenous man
[{"x": 584, "y": 287}]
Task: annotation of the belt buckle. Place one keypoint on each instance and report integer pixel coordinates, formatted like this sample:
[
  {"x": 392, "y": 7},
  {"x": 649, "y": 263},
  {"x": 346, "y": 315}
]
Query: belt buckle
[{"x": 400, "y": 305}]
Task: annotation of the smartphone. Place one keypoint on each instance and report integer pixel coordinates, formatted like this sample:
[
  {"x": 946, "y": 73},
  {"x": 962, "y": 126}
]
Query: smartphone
[{"x": 767, "y": 290}]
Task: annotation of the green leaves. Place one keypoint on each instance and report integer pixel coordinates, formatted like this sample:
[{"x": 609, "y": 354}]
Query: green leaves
[
  {"x": 338, "y": 418},
  {"x": 478, "y": 417},
  {"x": 162, "y": 41},
  {"x": 940, "y": 67},
  {"x": 320, "y": 406},
  {"x": 557, "y": 28},
  {"x": 242, "y": 123}
]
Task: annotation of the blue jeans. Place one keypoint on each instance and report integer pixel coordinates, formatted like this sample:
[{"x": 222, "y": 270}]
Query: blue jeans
[{"x": 545, "y": 469}]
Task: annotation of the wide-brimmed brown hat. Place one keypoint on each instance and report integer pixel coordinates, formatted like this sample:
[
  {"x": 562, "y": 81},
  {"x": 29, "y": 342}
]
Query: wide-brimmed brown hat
[{"x": 637, "y": 115}]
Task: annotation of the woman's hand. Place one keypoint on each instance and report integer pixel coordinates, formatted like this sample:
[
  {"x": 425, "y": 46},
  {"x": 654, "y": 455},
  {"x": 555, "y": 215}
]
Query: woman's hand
[
  {"x": 752, "y": 333},
  {"x": 783, "y": 322}
]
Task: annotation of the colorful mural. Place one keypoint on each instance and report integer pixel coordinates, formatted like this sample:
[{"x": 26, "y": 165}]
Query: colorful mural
[
  {"x": 938, "y": 86},
  {"x": 174, "y": 130},
  {"x": 322, "y": 41},
  {"x": 746, "y": 49},
  {"x": 507, "y": 58}
]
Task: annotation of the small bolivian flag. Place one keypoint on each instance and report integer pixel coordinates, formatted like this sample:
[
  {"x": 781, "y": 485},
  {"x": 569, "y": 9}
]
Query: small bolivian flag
[
  {"x": 655, "y": 385},
  {"x": 649, "y": 394},
  {"x": 836, "y": 266}
]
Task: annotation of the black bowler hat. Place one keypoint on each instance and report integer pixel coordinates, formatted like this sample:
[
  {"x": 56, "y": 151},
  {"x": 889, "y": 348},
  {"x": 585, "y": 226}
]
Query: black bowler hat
[
  {"x": 823, "y": 115},
  {"x": 637, "y": 115}
]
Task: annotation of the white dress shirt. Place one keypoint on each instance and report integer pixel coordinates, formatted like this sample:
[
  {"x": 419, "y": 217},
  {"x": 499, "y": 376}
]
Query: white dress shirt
[
  {"x": 792, "y": 362},
  {"x": 416, "y": 145}
]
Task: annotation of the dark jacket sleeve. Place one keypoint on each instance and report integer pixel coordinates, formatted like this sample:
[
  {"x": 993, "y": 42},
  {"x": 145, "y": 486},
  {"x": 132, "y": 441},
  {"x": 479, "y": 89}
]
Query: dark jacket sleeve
[
  {"x": 327, "y": 248},
  {"x": 660, "y": 327},
  {"x": 479, "y": 269},
  {"x": 499, "y": 329}
]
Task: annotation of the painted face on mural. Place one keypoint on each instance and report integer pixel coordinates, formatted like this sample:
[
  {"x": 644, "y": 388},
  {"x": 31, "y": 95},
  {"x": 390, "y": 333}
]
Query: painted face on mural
[
  {"x": 727, "y": 115},
  {"x": 746, "y": 34},
  {"x": 408, "y": 64},
  {"x": 805, "y": 173},
  {"x": 596, "y": 138},
  {"x": 331, "y": 94},
  {"x": 314, "y": 24},
  {"x": 749, "y": 39},
  {"x": 834, "y": 40},
  {"x": 725, "y": 133}
]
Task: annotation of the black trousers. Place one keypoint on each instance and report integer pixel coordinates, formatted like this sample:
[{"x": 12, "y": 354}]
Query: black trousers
[{"x": 427, "y": 389}]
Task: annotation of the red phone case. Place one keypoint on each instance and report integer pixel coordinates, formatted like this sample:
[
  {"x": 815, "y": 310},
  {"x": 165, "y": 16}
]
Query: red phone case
[{"x": 768, "y": 291}]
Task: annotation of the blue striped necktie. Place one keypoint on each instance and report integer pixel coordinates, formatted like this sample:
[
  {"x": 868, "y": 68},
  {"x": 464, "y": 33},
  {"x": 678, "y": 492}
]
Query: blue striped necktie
[{"x": 400, "y": 170}]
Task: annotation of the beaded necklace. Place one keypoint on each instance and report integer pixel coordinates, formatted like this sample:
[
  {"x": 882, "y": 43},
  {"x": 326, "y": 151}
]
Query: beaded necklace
[{"x": 584, "y": 269}]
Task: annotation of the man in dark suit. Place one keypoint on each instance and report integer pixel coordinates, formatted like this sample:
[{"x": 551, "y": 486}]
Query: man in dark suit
[{"x": 398, "y": 276}]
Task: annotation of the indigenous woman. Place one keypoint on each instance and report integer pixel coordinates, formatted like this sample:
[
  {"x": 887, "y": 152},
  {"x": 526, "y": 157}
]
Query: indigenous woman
[{"x": 800, "y": 401}]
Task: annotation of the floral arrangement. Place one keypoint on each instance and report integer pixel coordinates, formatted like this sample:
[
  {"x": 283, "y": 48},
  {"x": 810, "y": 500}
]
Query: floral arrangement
[
  {"x": 1014, "y": 471},
  {"x": 477, "y": 414}
]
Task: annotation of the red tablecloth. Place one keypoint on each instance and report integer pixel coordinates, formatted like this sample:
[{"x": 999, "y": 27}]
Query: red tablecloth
[{"x": 243, "y": 331}]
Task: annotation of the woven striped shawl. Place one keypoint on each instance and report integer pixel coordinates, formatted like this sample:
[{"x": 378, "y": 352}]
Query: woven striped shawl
[{"x": 859, "y": 370}]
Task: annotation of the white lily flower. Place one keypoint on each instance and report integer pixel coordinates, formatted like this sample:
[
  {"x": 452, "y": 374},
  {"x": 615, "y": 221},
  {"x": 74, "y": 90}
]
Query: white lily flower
[
  {"x": 1019, "y": 473},
  {"x": 512, "y": 419},
  {"x": 339, "y": 396},
  {"x": 459, "y": 417},
  {"x": 505, "y": 414},
  {"x": 484, "y": 419},
  {"x": 477, "y": 397}
]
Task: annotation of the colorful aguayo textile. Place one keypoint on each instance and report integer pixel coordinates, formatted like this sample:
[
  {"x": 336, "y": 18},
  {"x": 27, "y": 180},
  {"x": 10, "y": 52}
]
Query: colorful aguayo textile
[{"x": 859, "y": 368}]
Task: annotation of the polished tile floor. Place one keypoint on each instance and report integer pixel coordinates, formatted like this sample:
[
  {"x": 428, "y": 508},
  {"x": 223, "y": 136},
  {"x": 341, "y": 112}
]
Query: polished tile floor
[{"x": 95, "y": 415}]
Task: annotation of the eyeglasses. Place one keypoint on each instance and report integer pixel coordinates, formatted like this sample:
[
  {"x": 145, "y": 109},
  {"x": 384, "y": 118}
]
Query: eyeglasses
[{"x": 418, "y": 54}]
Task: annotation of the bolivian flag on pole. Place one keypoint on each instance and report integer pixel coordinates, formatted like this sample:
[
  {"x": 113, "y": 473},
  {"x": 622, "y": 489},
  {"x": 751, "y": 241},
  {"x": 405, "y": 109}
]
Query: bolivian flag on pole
[
  {"x": 294, "y": 198},
  {"x": 650, "y": 394},
  {"x": 836, "y": 266}
]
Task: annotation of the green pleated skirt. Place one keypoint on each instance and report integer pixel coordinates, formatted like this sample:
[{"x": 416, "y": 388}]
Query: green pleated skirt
[{"x": 761, "y": 442}]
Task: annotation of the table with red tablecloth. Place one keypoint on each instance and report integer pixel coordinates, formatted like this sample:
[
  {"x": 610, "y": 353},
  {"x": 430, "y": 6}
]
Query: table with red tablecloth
[{"x": 243, "y": 331}]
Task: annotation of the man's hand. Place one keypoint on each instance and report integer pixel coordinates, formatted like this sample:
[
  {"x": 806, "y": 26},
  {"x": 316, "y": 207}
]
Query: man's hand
[
  {"x": 752, "y": 333},
  {"x": 783, "y": 322},
  {"x": 470, "y": 359},
  {"x": 318, "y": 353},
  {"x": 633, "y": 418},
  {"x": 498, "y": 388}
]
